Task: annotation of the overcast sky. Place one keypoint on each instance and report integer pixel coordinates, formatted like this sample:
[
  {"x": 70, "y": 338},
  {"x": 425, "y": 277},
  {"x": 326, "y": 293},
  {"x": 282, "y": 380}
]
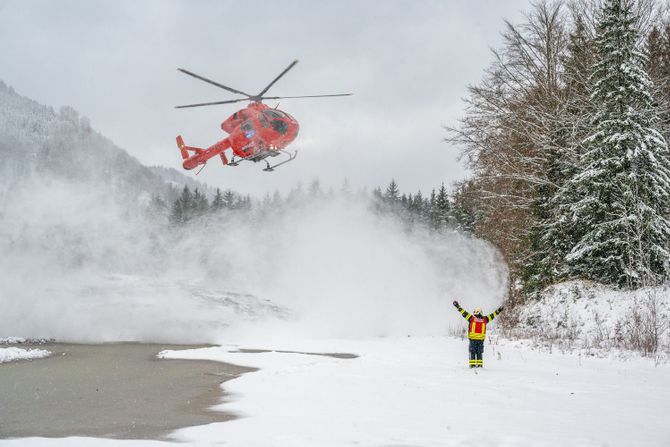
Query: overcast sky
[{"x": 408, "y": 64}]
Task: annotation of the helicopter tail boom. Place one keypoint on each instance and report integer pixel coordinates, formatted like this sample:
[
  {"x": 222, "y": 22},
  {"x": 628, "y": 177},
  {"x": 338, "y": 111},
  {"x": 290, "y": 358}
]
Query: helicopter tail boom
[{"x": 201, "y": 156}]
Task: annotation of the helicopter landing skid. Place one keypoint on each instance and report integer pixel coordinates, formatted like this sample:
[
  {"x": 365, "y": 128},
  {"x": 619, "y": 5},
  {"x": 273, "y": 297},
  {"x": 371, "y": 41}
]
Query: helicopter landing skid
[
  {"x": 291, "y": 157},
  {"x": 262, "y": 157}
]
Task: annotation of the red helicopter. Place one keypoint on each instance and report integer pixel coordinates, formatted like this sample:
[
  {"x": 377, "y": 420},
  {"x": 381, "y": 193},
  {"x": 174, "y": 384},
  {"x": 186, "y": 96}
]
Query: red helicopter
[{"x": 255, "y": 133}]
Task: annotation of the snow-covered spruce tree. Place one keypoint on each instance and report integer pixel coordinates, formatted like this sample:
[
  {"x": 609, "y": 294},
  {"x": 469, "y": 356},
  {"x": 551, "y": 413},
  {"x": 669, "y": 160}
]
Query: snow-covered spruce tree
[
  {"x": 392, "y": 194},
  {"x": 200, "y": 204},
  {"x": 217, "y": 203},
  {"x": 658, "y": 51},
  {"x": 180, "y": 211},
  {"x": 416, "y": 208},
  {"x": 552, "y": 238},
  {"x": 623, "y": 177},
  {"x": 463, "y": 207},
  {"x": 442, "y": 213},
  {"x": 229, "y": 200}
]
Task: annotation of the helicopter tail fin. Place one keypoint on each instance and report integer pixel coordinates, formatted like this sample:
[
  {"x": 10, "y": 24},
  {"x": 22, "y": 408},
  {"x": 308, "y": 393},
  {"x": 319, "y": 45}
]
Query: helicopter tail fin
[{"x": 184, "y": 149}]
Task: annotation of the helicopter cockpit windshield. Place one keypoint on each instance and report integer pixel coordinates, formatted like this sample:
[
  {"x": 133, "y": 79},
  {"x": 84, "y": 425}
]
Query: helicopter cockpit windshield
[
  {"x": 277, "y": 122},
  {"x": 274, "y": 113}
]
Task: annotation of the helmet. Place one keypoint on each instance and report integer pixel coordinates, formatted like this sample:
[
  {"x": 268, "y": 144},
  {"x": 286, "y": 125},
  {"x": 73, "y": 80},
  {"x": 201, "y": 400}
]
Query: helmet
[{"x": 478, "y": 310}]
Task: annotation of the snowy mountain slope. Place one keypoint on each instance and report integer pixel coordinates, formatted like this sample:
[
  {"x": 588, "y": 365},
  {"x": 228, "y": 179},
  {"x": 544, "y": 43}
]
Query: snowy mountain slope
[
  {"x": 37, "y": 142},
  {"x": 78, "y": 251}
]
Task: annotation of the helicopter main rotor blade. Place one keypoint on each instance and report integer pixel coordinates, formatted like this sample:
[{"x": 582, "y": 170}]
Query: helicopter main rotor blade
[
  {"x": 230, "y": 101},
  {"x": 232, "y": 90},
  {"x": 291, "y": 65},
  {"x": 305, "y": 96}
]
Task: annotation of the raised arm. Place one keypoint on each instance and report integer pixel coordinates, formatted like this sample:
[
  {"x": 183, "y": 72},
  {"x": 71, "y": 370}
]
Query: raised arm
[
  {"x": 463, "y": 312},
  {"x": 494, "y": 314}
]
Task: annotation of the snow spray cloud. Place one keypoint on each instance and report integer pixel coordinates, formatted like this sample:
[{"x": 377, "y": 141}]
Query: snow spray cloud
[
  {"x": 77, "y": 267},
  {"x": 344, "y": 271}
]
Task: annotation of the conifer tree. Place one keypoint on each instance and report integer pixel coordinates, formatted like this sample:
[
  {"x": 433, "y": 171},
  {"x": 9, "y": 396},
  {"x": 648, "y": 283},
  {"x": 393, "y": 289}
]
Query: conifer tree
[
  {"x": 266, "y": 203},
  {"x": 442, "y": 212},
  {"x": 552, "y": 237},
  {"x": 392, "y": 193},
  {"x": 622, "y": 181},
  {"x": 658, "y": 51},
  {"x": 419, "y": 208},
  {"x": 229, "y": 200},
  {"x": 315, "y": 188},
  {"x": 157, "y": 207},
  {"x": 462, "y": 208},
  {"x": 245, "y": 203},
  {"x": 296, "y": 195},
  {"x": 345, "y": 189},
  {"x": 377, "y": 193},
  {"x": 404, "y": 200},
  {"x": 181, "y": 211},
  {"x": 199, "y": 204},
  {"x": 276, "y": 199},
  {"x": 217, "y": 203},
  {"x": 432, "y": 210}
]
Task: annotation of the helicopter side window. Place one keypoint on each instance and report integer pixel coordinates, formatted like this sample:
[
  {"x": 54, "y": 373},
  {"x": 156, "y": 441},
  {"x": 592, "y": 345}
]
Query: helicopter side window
[
  {"x": 248, "y": 129},
  {"x": 280, "y": 126}
]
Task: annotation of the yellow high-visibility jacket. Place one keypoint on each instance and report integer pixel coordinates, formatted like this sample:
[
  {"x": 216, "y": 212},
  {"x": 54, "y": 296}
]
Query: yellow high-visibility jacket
[{"x": 477, "y": 325}]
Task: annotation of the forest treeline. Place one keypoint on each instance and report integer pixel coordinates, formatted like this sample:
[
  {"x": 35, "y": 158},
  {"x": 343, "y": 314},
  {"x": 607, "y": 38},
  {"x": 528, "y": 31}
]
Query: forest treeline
[
  {"x": 566, "y": 136},
  {"x": 436, "y": 211}
]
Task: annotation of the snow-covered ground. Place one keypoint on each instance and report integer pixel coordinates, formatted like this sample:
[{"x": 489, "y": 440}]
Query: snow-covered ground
[
  {"x": 11, "y": 340},
  {"x": 597, "y": 319},
  {"x": 418, "y": 391},
  {"x": 11, "y": 354}
]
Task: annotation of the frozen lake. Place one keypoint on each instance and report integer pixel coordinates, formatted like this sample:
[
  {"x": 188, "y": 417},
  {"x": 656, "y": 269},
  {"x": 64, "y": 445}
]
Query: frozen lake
[{"x": 118, "y": 390}]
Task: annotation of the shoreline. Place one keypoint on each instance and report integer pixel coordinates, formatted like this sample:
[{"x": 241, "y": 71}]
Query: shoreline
[{"x": 111, "y": 390}]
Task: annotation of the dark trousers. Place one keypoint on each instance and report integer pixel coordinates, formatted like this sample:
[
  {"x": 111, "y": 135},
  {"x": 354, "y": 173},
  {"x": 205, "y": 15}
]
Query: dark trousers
[{"x": 476, "y": 353}]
